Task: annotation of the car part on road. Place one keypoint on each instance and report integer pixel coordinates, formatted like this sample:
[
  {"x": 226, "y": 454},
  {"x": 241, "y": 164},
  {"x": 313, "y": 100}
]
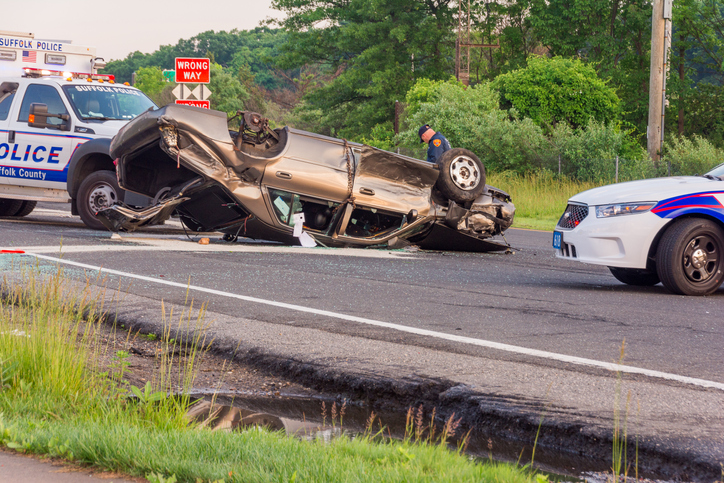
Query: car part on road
[
  {"x": 635, "y": 276},
  {"x": 689, "y": 259},
  {"x": 462, "y": 175},
  {"x": 97, "y": 192},
  {"x": 261, "y": 183}
]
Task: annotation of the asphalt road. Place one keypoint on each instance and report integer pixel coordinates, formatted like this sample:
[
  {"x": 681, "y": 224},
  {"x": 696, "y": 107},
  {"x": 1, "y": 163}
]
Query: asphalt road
[{"x": 404, "y": 313}]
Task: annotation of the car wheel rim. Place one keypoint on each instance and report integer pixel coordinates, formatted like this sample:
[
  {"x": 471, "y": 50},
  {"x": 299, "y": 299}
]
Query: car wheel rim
[
  {"x": 464, "y": 173},
  {"x": 101, "y": 197},
  {"x": 701, "y": 259}
]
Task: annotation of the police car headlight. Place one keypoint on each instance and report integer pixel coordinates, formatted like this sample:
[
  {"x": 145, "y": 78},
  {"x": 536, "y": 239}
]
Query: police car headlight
[{"x": 606, "y": 211}]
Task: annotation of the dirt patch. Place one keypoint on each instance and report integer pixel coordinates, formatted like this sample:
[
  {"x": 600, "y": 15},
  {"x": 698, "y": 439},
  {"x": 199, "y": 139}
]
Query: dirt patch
[{"x": 140, "y": 358}]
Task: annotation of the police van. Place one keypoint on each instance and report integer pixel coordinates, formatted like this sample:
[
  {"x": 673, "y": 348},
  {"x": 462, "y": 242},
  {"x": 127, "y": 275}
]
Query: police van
[{"x": 57, "y": 118}]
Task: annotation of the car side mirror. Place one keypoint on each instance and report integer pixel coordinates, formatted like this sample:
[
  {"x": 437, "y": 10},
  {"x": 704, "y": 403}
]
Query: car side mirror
[{"x": 38, "y": 117}]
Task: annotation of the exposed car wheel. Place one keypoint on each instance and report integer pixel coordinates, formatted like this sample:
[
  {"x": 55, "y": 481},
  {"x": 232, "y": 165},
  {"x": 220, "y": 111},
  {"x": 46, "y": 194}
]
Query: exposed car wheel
[
  {"x": 97, "y": 192},
  {"x": 689, "y": 259},
  {"x": 462, "y": 175},
  {"x": 26, "y": 208},
  {"x": 635, "y": 276}
]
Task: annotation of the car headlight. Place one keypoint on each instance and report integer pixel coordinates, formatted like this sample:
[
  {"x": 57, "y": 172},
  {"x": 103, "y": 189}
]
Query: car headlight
[{"x": 605, "y": 211}]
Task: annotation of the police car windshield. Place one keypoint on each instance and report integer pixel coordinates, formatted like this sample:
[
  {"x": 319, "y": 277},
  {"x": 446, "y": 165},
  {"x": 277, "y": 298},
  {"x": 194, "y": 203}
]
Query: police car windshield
[
  {"x": 717, "y": 172},
  {"x": 107, "y": 102}
]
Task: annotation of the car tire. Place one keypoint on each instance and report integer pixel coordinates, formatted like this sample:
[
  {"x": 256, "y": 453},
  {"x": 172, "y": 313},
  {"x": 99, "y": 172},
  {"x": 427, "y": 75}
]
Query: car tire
[
  {"x": 8, "y": 207},
  {"x": 98, "y": 191},
  {"x": 635, "y": 276},
  {"x": 26, "y": 208},
  {"x": 690, "y": 257},
  {"x": 462, "y": 175}
]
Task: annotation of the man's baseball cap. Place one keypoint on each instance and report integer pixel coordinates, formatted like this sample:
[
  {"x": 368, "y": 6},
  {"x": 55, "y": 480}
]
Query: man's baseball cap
[{"x": 422, "y": 131}]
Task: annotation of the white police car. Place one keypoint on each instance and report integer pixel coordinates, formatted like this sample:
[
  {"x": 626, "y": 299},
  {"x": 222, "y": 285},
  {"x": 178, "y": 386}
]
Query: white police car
[
  {"x": 57, "y": 118},
  {"x": 666, "y": 229}
]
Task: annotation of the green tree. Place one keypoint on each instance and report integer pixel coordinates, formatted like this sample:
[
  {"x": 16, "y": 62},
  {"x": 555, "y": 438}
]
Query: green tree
[
  {"x": 151, "y": 81},
  {"x": 613, "y": 35},
  {"x": 256, "y": 48},
  {"x": 375, "y": 51},
  {"x": 696, "y": 80},
  {"x": 227, "y": 93},
  {"x": 507, "y": 24},
  {"x": 555, "y": 90}
]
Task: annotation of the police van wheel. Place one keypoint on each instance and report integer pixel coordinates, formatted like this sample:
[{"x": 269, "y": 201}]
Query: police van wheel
[
  {"x": 97, "y": 192},
  {"x": 9, "y": 207},
  {"x": 462, "y": 175},
  {"x": 26, "y": 208}
]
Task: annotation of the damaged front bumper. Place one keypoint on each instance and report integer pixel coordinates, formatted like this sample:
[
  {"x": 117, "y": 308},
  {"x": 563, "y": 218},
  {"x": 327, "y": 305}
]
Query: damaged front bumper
[{"x": 120, "y": 217}]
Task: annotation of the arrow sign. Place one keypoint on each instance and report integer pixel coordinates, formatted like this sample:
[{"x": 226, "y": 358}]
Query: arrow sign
[
  {"x": 201, "y": 92},
  {"x": 181, "y": 91}
]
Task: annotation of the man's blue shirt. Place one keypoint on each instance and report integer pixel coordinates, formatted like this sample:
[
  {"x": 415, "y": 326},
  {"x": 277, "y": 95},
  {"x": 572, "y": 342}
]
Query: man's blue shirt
[{"x": 437, "y": 145}]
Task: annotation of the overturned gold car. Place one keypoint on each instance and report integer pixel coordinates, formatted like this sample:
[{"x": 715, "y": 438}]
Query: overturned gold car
[{"x": 294, "y": 186}]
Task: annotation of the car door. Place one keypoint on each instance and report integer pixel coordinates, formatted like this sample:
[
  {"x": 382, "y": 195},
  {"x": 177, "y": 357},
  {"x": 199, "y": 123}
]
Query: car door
[
  {"x": 313, "y": 165},
  {"x": 311, "y": 177},
  {"x": 7, "y": 95},
  {"x": 393, "y": 182},
  {"x": 40, "y": 156}
]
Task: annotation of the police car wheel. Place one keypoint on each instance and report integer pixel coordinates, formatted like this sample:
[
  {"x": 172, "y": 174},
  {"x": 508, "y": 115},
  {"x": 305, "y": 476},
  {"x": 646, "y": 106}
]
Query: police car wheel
[
  {"x": 9, "y": 207},
  {"x": 97, "y": 192},
  {"x": 690, "y": 257},
  {"x": 26, "y": 208},
  {"x": 462, "y": 175}
]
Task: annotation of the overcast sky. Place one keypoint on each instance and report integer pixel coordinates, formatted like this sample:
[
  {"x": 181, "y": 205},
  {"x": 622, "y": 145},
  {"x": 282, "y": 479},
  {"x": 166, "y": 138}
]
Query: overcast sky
[{"x": 120, "y": 27}]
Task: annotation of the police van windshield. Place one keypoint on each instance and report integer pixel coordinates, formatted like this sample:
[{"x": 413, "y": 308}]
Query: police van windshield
[{"x": 107, "y": 102}]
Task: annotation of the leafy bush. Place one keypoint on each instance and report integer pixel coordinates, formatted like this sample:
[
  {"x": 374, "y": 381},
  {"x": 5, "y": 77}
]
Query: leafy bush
[
  {"x": 555, "y": 90},
  {"x": 470, "y": 118},
  {"x": 590, "y": 153},
  {"x": 382, "y": 136},
  {"x": 690, "y": 156}
]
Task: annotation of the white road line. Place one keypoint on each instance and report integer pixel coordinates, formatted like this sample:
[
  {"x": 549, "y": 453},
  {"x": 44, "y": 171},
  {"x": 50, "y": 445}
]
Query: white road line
[
  {"x": 411, "y": 330},
  {"x": 176, "y": 243}
]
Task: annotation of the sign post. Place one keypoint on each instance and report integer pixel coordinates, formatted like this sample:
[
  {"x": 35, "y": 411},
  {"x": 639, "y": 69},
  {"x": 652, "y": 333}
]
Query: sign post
[{"x": 193, "y": 71}]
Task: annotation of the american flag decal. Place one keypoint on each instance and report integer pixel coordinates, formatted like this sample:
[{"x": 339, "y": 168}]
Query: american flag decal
[{"x": 30, "y": 56}]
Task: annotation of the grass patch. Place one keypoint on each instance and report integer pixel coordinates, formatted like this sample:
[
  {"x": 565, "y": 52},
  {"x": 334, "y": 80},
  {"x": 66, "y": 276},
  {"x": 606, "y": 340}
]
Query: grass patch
[
  {"x": 58, "y": 398},
  {"x": 540, "y": 198}
]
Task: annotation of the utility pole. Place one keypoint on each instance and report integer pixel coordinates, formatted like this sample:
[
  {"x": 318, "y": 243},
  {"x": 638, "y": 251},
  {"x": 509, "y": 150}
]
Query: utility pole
[
  {"x": 660, "y": 45},
  {"x": 463, "y": 45}
]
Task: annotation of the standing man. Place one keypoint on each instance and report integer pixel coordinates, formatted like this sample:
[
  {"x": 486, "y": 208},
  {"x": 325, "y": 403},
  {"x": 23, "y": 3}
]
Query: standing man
[{"x": 436, "y": 142}]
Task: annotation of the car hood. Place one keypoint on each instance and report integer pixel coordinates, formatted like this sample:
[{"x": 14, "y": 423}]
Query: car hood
[
  {"x": 102, "y": 128},
  {"x": 647, "y": 190}
]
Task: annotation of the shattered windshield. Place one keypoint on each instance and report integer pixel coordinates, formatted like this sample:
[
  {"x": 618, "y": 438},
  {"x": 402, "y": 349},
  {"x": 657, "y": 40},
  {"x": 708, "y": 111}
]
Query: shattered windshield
[{"x": 107, "y": 102}]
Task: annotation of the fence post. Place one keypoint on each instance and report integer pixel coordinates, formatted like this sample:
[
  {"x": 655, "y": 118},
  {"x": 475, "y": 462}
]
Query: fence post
[
  {"x": 559, "y": 165},
  {"x": 617, "y": 168}
]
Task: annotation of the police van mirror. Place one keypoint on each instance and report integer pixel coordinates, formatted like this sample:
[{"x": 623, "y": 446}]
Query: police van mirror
[{"x": 38, "y": 117}]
